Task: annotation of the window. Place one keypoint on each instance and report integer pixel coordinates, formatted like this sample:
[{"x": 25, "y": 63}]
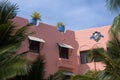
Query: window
[
  {"x": 34, "y": 46},
  {"x": 63, "y": 52},
  {"x": 84, "y": 57},
  {"x": 98, "y": 59}
]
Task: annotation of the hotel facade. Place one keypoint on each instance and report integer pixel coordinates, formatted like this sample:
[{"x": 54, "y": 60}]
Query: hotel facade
[{"x": 64, "y": 50}]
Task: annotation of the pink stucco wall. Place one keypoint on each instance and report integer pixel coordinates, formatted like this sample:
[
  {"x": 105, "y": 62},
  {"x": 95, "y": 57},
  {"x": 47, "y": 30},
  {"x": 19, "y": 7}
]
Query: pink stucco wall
[
  {"x": 79, "y": 40},
  {"x": 85, "y": 43}
]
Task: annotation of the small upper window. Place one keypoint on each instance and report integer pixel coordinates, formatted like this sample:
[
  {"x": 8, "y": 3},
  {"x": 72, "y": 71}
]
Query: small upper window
[
  {"x": 34, "y": 46},
  {"x": 84, "y": 57},
  {"x": 63, "y": 52},
  {"x": 34, "y": 43}
]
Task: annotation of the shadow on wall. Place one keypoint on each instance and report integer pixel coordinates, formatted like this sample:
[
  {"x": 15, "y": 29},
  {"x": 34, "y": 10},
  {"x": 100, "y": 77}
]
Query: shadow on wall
[
  {"x": 83, "y": 62},
  {"x": 75, "y": 56}
]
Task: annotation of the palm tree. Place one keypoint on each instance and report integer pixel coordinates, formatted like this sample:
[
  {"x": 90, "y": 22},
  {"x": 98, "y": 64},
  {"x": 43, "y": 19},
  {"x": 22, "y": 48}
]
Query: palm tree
[
  {"x": 37, "y": 69},
  {"x": 115, "y": 28},
  {"x": 111, "y": 56},
  {"x": 60, "y": 75},
  {"x": 113, "y": 5},
  {"x": 90, "y": 75},
  {"x": 11, "y": 64},
  {"x": 7, "y": 11},
  {"x": 111, "y": 59},
  {"x": 109, "y": 72}
]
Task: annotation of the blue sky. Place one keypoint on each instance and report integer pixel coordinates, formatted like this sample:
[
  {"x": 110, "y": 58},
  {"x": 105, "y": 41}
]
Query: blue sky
[{"x": 76, "y": 14}]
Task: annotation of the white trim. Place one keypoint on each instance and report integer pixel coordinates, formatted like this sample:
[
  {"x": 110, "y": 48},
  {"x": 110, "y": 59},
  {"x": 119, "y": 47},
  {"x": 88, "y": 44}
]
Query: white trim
[
  {"x": 65, "y": 45},
  {"x": 36, "y": 39}
]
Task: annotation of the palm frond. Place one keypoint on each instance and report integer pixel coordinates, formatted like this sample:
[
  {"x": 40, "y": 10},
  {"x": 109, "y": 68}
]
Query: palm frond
[
  {"x": 90, "y": 75},
  {"x": 13, "y": 65},
  {"x": 106, "y": 75},
  {"x": 97, "y": 53},
  {"x": 115, "y": 28},
  {"x": 36, "y": 71},
  {"x": 11, "y": 37},
  {"x": 81, "y": 77},
  {"x": 111, "y": 59},
  {"x": 7, "y": 11},
  {"x": 59, "y": 75},
  {"x": 113, "y": 5}
]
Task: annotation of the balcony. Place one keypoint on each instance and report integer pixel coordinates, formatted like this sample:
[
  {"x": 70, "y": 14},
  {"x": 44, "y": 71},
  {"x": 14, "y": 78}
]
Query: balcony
[{"x": 66, "y": 63}]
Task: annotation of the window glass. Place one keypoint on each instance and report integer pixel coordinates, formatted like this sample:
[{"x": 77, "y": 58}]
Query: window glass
[
  {"x": 63, "y": 52},
  {"x": 34, "y": 46},
  {"x": 84, "y": 57}
]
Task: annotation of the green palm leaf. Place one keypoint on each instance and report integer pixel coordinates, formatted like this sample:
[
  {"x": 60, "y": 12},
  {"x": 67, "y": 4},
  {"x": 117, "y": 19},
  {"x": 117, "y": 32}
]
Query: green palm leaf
[
  {"x": 111, "y": 59},
  {"x": 115, "y": 29},
  {"x": 11, "y": 37},
  {"x": 7, "y": 11},
  {"x": 113, "y": 4},
  {"x": 37, "y": 69},
  {"x": 90, "y": 75}
]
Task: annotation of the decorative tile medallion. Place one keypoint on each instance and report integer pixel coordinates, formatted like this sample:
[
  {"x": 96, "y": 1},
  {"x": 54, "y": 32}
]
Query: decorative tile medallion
[{"x": 96, "y": 36}]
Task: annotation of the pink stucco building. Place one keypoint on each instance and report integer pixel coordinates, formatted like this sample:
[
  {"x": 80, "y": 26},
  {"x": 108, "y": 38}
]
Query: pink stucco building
[{"x": 66, "y": 50}]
